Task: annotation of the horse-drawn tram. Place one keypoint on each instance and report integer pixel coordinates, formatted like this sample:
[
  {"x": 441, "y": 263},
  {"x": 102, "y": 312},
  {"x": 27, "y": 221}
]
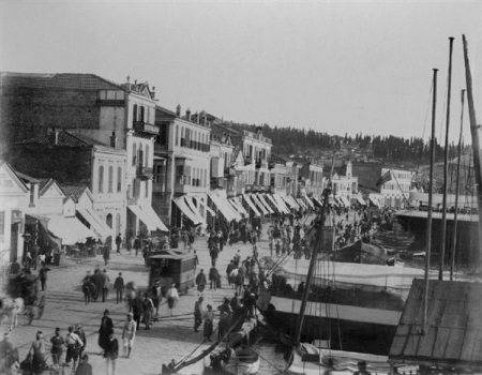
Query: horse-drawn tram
[{"x": 172, "y": 267}]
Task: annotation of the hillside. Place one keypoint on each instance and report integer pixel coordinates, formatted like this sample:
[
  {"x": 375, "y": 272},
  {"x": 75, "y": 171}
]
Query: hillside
[{"x": 322, "y": 147}]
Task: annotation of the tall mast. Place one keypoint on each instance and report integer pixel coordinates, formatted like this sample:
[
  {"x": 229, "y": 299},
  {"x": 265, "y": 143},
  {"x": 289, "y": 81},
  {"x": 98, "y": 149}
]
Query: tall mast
[
  {"x": 446, "y": 165},
  {"x": 314, "y": 255},
  {"x": 474, "y": 131},
  {"x": 457, "y": 181},
  {"x": 430, "y": 198}
]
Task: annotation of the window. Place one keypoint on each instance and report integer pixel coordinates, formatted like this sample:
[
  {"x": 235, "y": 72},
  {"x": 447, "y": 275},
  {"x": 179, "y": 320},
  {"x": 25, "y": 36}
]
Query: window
[
  {"x": 140, "y": 156},
  {"x": 142, "y": 110},
  {"x": 134, "y": 113},
  {"x": 176, "y": 139},
  {"x": 2, "y": 223},
  {"x": 134, "y": 154},
  {"x": 101, "y": 179},
  {"x": 110, "y": 182},
  {"x": 119, "y": 179},
  {"x": 147, "y": 156}
]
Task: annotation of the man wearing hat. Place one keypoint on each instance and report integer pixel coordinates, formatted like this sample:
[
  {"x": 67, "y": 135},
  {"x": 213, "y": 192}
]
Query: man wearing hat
[
  {"x": 57, "y": 342},
  {"x": 362, "y": 369},
  {"x": 129, "y": 334}
]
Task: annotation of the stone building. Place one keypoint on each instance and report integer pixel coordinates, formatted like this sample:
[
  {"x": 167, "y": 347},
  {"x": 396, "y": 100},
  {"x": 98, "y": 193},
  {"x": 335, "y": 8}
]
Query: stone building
[
  {"x": 74, "y": 159},
  {"x": 312, "y": 179},
  {"x": 119, "y": 115},
  {"x": 182, "y": 166}
]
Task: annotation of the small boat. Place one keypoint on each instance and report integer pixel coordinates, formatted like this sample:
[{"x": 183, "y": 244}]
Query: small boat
[{"x": 241, "y": 361}]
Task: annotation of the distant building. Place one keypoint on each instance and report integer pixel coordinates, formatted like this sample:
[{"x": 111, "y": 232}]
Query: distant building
[
  {"x": 292, "y": 176},
  {"x": 390, "y": 185},
  {"x": 343, "y": 182},
  {"x": 312, "y": 178}
]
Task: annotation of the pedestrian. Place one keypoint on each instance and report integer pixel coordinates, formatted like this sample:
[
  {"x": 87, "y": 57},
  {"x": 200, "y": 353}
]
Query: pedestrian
[
  {"x": 129, "y": 334},
  {"x": 106, "y": 328},
  {"x": 198, "y": 313},
  {"x": 79, "y": 331},
  {"x": 172, "y": 297},
  {"x": 156, "y": 295},
  {"x": 105, "y": 285},
  {"x": 118, "y": 243},
  {"x": 88, "y": 288},
  {"x": 74, "y": 343},
  {"x": 208, "y": 323},
  {"x": 119, "y": 288},
  {"x": 111, "y": 353},
  {"x": 137, "y": 244},
  {"x": 56, "y": 350},
  {"x": 9, "y": 359},
  {"x": 106, "y": 253},
  {"x": 97, "y": 279},
  {"x": 214, "y": 278},
  {"x": 362, "y": 369},
  {"x": 148, "y": 309},
  {"x": 231, "y": 266},
  {"x": 201, "y": 281},
  {"x": 137, "y": 307},
  {"x": 38, "y": 354},
  {"x": 129, "y": 243},
  {"x": 84, "y": 367}
]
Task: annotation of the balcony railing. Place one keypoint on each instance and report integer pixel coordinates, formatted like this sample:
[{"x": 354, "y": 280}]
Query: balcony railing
[
  {"x": 194, "y": 145},
  {"x": 144, "y": 127},
  {"x": 144, "y": 173}
]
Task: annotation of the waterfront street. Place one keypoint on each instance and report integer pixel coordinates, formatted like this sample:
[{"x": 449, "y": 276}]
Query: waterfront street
[{"x": 170, "y": 338}]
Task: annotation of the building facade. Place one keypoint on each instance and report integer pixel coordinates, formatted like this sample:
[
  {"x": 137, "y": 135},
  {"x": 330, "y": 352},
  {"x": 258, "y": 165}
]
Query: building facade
[
  {"x": 312, "y": 180},
  {"x": 182, "y": 164},
  {"x": 121, "y": 116}
]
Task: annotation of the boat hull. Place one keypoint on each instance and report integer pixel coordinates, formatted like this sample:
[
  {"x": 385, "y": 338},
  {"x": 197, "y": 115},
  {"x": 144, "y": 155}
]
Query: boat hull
[{"x": 346, "y": 327}]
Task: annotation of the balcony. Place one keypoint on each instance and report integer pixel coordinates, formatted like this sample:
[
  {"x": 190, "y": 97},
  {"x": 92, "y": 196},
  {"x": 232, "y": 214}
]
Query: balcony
[
  {"x": 144, "y": 173},
  {"x": 144, "y": 127},
  {"x": 194, "y": 145}
]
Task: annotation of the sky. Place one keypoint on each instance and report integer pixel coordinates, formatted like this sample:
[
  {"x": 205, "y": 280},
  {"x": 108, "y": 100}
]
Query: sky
[{"x": 332, "y": 66}]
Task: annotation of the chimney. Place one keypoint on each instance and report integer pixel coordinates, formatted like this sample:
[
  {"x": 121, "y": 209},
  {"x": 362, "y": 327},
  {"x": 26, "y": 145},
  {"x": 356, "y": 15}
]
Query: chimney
[
  {"x": 178, "y": 110},
  {"x": 188, "y": 114},
  {"x": 113, "y": 140}
]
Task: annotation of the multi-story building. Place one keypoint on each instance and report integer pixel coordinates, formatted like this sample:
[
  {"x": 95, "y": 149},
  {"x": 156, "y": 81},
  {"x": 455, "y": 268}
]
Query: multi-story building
[
  {"x": 344, "y": 184},
  {"x": 221, "y": 173},
  {"x": 389, "y": 186},
  {"x": 75, "y": 159},
  {"x": 119, "y": 115},
  {"x": 311, "y": 179},
  {"x": 181, "y": 166},
  {"x": 278, "y": 175},
  {"x": 292, "y": 176}
]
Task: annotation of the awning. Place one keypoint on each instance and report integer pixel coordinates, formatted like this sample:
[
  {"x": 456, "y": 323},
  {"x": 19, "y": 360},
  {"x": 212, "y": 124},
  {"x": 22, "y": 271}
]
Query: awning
[
  {"x": 149, "y": 217},
  {"x": 238, "y": 206},
  {"x": 345, "y": 201},
  {"x": 361, "y": 200},
  {"x": 317, "y": 201},
  {"x": 190, "y": 203},
  {"x": 96, "y": 223},
  {"x": 291, "y": 202},
  {"x": 302, "y": 203},
  {"x": 269, "y": 201},
  {"x": 186, "y": 211},
  {"x": 339, "y": 201},
  {"x": 266, "y": 204},
  {"x": 281, "y": 202},
  {"x": 251, "y": 205},
  {"x": 259, "y": 204},
  {"x": 225, "y": 208},
  {"x": 374, "y": 200},
  {"x": 69, "y": 229},
  {"x": 309, "y": 201}
]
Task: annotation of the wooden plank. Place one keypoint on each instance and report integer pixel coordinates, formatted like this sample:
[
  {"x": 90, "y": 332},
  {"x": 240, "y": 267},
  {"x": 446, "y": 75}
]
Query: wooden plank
[
  {"x": 411, "y": 345},
  {"x": 454, "y": 346},
  {"x": 469, "y": 345},
  {"x": 398, "y": 343},
  {"x": 426, "y": 343},
  {"x": 441, "y": 343}
]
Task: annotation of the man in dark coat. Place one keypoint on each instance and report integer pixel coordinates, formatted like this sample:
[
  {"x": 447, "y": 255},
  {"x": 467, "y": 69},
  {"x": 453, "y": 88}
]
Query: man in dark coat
[
  {"x": 201, "y": 281},
  {"x": 118, "y": 243},
  {"x": 105, "y": 330},
  {"x": 119, "y": 287}
]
